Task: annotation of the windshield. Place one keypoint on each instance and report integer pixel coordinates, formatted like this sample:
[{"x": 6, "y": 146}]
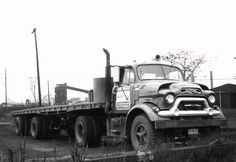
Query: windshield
[{"x": 153, "y": 72}]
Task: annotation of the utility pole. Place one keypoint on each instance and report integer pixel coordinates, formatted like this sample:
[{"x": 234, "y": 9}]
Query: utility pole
[
  {"x": 6, "y": 87},
  {"x": 211, "y": 79},
  {"x": 37, "y": 61},
  {"x": 192, "y": 77},
  {"x": 49, "y": 95}
]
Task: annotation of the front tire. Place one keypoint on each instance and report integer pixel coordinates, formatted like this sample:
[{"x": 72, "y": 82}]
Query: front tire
[{"x": 142, "y": 133}]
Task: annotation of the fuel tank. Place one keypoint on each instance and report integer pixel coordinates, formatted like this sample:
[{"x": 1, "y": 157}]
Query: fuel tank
[{"x": 99, "y": 89}]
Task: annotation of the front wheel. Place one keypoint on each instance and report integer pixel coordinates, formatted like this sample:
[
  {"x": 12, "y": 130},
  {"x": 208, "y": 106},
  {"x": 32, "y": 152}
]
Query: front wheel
[{"x": 142, "y": 133}]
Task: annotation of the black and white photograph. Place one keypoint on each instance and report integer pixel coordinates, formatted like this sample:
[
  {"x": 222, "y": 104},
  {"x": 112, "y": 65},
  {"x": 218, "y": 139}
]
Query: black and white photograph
[{"x": 117, "y": 81}]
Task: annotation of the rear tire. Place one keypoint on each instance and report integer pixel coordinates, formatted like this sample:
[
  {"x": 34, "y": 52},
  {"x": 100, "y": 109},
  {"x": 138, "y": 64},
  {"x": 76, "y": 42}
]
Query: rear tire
[
  {"x": 142, "y": 133},
  {"x": 36, "y": 127},
  {"x": 84, "y": 130},
  {"x": 20, "y": 125}
]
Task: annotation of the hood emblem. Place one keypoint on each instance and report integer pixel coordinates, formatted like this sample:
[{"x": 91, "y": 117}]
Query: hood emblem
[{"x": 191, "y": 90}]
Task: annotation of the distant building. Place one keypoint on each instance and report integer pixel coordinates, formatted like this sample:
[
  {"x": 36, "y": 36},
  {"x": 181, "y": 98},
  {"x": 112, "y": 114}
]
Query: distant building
[
  {"x": 60, "y": 94},
  {"x": 226, "y": 96},
  {"x": 11, "y": 104},
  {"x": 74, "y": 100}
]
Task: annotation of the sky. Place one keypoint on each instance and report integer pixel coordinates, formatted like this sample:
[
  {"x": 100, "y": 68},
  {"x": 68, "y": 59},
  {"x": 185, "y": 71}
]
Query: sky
[{"x": 71, "y": 35}]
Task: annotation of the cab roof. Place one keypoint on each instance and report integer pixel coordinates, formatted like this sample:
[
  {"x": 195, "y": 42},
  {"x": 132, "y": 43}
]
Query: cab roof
[{"x": 162, "y": 62}]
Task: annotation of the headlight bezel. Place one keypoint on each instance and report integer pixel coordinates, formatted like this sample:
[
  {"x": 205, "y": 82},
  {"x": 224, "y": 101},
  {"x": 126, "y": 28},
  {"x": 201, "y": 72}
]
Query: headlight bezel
[
  {"x": 212, "y": 99},
  {"x": 170, "y": 98}
]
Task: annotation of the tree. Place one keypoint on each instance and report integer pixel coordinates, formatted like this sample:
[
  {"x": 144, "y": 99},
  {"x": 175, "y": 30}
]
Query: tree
[
  {"x": 33, "y": 91},
  {"x": 32, "y": 88},
  {"x": 187, "y": 60}
]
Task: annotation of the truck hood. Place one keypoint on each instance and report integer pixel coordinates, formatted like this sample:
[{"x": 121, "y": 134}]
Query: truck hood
[{"x": 162, "y": 86}]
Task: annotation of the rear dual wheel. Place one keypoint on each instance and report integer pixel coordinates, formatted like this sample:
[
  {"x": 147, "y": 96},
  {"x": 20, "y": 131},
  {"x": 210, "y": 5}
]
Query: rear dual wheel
[
  {"x": 36, "y": 127},
  {"x": 39, "y": 128},
  {"x": 21, "y": 126},
  {"x": 87, "y": 131}
]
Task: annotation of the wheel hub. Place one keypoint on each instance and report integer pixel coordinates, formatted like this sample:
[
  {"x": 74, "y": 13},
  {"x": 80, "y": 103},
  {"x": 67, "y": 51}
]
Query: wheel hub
[
  {"x": 80, "y": 131},
  {"x": 141, "y": 135}
]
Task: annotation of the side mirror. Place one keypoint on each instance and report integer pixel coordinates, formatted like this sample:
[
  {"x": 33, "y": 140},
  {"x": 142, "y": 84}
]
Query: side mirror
[{"x": 115, "y": 73}]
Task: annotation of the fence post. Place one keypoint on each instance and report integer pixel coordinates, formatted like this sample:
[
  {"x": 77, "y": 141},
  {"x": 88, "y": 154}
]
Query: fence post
[
  {"x": 1, "y": 155},
  {"x": 10, "y": 155}
]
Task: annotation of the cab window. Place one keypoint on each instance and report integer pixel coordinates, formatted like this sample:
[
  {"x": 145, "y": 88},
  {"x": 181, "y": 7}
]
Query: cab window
[{"x": 128, "y": 76}]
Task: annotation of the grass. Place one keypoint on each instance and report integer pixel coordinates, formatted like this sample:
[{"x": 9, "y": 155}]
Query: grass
[
  {"x": 120, "y": 151},
  {"x": 165, "y": 153},
  {"x": 230, "y": 113},
  {"x": 5, "y": 113}
]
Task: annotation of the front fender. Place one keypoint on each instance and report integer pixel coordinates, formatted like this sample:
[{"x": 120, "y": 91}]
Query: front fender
[{"x": 147, "y": 109}]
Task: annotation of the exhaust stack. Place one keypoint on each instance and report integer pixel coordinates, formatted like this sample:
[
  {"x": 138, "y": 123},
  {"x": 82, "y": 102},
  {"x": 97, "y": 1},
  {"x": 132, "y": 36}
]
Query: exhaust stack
[
  {"x": 108, "y": 64},
  {"x": 107, "y": 81}
]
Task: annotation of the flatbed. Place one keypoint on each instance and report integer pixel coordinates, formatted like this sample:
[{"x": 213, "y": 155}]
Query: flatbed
[{"x": 58, "y": 109}]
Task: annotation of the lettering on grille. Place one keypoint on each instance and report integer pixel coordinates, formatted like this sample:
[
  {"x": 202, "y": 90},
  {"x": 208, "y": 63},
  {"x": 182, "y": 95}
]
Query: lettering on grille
[{"x": 191, "y": 90}]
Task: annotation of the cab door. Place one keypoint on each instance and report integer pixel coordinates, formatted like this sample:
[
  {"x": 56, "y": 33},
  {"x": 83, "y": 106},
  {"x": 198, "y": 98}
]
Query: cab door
[{"x": 124, "y": 94}]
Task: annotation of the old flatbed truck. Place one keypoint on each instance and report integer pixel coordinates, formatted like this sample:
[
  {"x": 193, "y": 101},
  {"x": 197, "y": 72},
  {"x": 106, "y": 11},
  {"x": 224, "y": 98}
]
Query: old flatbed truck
[{"x": 140, "y": 103}]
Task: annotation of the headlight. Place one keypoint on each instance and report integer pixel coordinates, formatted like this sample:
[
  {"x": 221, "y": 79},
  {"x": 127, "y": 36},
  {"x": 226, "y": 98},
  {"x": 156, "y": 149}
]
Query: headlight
[
  {"x": 170, "y": 98},
  {"x": 212, "y": 99}
]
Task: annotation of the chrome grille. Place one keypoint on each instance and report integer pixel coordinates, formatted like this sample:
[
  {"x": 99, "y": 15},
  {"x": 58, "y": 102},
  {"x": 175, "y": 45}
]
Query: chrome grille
[{"x": 191, "y": 105}]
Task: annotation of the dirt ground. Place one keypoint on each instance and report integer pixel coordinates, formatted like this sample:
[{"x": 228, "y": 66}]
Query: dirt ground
[
  {"x": 59, "y": 146},
  {"x": 34, "y": 148},
  {"x": 51, "y": 147}
]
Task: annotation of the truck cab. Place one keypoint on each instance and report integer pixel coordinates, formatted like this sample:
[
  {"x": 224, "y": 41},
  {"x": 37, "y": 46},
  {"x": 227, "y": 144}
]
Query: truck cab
[
  {"x": 155, "y": 98},
  {"x": 163, "y": 86}
]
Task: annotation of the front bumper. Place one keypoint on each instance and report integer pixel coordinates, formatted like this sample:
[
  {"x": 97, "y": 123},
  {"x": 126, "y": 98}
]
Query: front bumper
[
  {"x": 165, "y": 124},
  {"x": 175, "y": 112}
]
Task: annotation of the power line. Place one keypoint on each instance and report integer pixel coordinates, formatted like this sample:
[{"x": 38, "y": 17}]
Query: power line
[{"x": 6, "y": 87}]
